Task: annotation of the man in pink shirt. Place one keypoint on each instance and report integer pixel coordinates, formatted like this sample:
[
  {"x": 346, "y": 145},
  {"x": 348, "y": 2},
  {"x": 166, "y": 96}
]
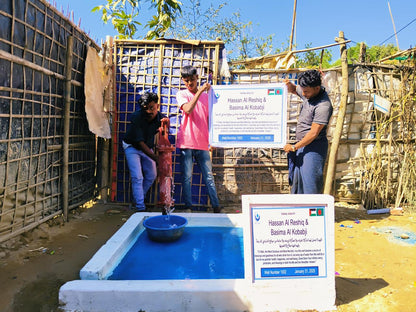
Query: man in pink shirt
[{"x": 193, "y": 136}]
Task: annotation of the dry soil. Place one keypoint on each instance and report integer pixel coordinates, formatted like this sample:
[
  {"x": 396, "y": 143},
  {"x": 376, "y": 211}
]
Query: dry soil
[{"x": 375, "y": 268}]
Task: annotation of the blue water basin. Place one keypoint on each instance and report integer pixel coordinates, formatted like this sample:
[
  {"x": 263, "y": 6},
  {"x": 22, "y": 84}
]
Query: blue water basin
[
  {"x": 201, "y": 253},
  {"x": 164, "y": 228}
]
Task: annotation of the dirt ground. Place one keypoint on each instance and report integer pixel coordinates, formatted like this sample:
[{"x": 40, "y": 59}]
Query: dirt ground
[{"x": 375, "y": 268}]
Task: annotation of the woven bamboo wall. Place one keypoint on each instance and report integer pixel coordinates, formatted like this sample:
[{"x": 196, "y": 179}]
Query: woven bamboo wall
[
  {"x": 373, "y": 156},
  {"x": 33, "y": 38},
  {"x": 242, "y": 171},
  {"x": 155, "y": 66},
  {"x": 369, "y": 150}
]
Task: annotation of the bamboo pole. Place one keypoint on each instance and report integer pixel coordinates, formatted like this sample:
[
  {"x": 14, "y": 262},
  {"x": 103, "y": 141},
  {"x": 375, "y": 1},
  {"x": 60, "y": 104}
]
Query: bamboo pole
[
  {"x": 159, "y": 94},
  {"x": 363, "y": 50},
  {"x": 330, "y": 175},
  {"x": 293, "y": 26},
  {"x": 67, "y": 115},
  {"x": 160, "y": 69},
  {"x": 216, "y": 69},
  {"x": 15, "y": 59},
  {"x": 394, "y": 26},
  {"x": 400, "y": 188},
  {"x": 114, "y": 119},
  {"x": 390, "y": 138},
  {"x": 104, "y": 143},
  {"x": 267, "y": 57},
  {"x": 408, "y": 51}
]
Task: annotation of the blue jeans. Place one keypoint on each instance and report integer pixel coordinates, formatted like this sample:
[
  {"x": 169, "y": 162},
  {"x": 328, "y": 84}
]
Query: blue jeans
[
  {"x": 308, "y": 168},
  {"x": 203, "y": 160},
  {"x": 142, "y": 172}
]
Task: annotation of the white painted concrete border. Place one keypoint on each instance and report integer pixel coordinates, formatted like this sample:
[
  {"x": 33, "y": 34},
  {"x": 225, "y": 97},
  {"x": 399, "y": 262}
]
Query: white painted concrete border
[
  {"x": 109, "y": 255},
  {"x": 180, "y": 296},
  {"x": 223, "y": 295}
]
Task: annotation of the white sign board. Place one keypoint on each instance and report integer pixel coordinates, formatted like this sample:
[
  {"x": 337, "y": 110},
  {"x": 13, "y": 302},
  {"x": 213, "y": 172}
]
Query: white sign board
[
  {"x": 289, "y": 245},
  {"x": 289, "y": 241},
  {"x": 248, "y": 115},
  {"x": 382, "y": 104}
]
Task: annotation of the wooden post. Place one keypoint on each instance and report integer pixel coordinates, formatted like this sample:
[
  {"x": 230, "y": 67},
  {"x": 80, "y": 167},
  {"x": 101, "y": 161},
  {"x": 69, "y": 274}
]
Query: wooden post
[
  {"x": 332, "y": 161},
  {"x": 67, "y": 116},
  {"x": 216, "y": 69},
  {"x": 363, "y": 51},
  {"x": 322, "y": 59},
  {"x": 394, "y": 26},
  {"x": 104, "y": 144},
  {"x": 293, "y": 26},
  {"x": 390, "y": 138}
]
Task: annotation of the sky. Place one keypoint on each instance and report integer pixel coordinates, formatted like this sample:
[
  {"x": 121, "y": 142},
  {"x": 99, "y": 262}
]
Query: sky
[{"x": 318, "y": 22}]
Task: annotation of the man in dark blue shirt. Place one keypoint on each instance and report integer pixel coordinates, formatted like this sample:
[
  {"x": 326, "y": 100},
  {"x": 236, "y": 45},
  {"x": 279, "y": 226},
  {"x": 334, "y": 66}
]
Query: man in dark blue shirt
[
  {"x": 138, "y": 145},
  {"x": 307, "y": 156}
]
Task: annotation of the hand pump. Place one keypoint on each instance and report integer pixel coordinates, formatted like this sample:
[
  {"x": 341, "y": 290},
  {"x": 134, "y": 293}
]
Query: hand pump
[{"x": 164, "y": 170}]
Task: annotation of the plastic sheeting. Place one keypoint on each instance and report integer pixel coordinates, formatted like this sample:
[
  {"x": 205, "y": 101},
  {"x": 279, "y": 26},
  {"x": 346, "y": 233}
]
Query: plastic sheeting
[{"x": 96, "y": 80}]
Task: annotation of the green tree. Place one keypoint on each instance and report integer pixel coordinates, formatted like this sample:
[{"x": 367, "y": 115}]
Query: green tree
[
  {"x": 314, "y": 59},
  {"x": 373, "y": 54},
  {"x": 124, "y": 14},
  {"x": 376, "y": 53},
  {"x": 193, "y": 20},
  {"x": 206, "y": 23},
  {"x": 198, "y": 21}
]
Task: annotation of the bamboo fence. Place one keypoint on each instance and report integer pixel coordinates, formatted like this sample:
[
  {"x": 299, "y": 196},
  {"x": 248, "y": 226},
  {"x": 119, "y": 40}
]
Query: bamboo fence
[
  {"x": 264, "y": 170},
  {"x": 47, "y": 154},
  {"x": 48, "y": 157}
]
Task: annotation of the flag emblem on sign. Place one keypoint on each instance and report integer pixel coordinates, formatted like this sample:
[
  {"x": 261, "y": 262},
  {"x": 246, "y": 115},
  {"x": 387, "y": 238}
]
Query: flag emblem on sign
[
  {"x": 273, "y": 91},
  {"x": 316, "y": 212}
]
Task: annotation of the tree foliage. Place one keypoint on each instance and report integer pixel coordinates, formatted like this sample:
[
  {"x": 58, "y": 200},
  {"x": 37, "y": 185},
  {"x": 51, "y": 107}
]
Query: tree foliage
[
  {"x": 193, "y": 20},
  {"x": 314, "y": 59},
  {"x": 124, "y": 15},
  {"x": 202, "y": 22},
  {"x": 373, "y": 54}
]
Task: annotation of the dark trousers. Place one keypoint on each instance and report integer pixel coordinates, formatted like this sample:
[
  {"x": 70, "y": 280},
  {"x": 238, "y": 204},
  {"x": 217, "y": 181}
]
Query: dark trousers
[{"x": 306, "y": 167}]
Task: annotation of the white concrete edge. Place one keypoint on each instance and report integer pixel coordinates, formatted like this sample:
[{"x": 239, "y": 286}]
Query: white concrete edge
[
  {"x": 197, "y": 295},
  {"x": 110, "y": 254}
]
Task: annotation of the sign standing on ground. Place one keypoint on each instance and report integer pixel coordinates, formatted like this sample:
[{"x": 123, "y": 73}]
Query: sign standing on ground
[
  {"x": 288, "y": 241},
  {"x": 289, "y": 250}
]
